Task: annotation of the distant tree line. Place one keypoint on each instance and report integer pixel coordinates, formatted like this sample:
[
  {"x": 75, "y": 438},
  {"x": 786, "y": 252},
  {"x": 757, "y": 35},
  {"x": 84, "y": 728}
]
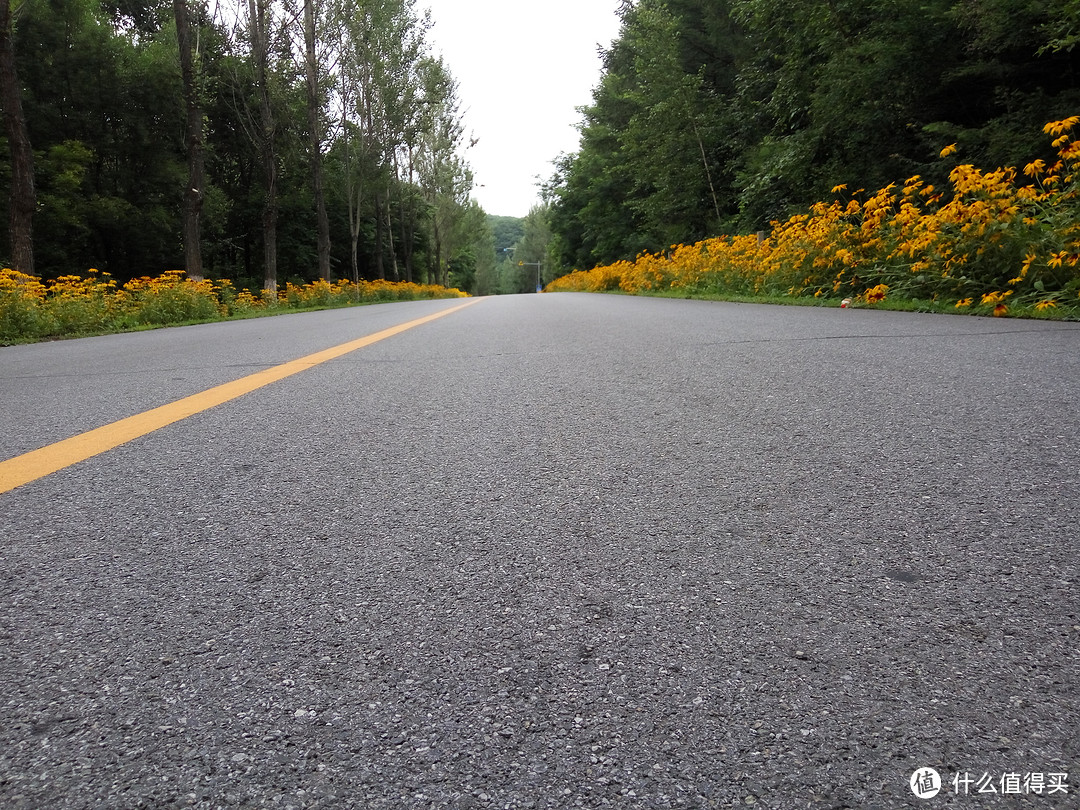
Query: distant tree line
[
  {"x": 719, "y": 116},
  {"x": 522, "y": 254},
  {"x": 262, "y": 141}
]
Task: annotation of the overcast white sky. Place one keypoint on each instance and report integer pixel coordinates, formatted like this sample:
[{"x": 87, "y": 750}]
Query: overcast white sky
[{"x": 522, "y": 69}]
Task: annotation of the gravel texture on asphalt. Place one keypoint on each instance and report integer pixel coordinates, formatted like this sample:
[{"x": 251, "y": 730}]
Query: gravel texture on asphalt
[{"x": 549, "y": 552}]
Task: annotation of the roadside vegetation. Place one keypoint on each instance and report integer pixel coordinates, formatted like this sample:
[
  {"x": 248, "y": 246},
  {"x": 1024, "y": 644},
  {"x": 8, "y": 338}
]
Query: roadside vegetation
[
  {"x": 263, "y": 142},
  {"x": 32, "y": 309},
  {"x": 777, "y": 123},
  {"x": 1002, "y": 242}
]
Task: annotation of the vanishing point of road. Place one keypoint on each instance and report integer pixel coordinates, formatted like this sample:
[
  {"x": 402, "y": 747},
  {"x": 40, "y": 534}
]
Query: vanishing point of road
[{"x": 543, "y": 551}]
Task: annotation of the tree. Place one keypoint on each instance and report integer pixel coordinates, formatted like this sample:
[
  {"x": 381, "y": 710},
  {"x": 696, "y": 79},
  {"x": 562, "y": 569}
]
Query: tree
[
  {"x": 716, "y": 115},
  {"x": 23, "y": 197},
  {"x": 473, "y": 267},
  {"x": 486, "y": 243},
  {"x": 264, "y": 130},
  {"x": 1013, "y": 81},
  {"x": 105, "y": 113},
  {"x": 315, "y": 136},
  {"x": 1062, "y": 28},
  {"x": 445, "y": 179},
  {"x": 656, "y": 163},
  {"x": 673, "y": 178},
  {"x": 154, "y": 124},
  {"x": 534, "y": 247},
  {"x": 380, "y": 46},
  {"x": 194, "y": 192}
]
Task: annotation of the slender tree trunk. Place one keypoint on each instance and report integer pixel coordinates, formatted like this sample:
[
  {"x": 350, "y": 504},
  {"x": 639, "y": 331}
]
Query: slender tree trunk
[
  {"x": 370, "y": 148},
  {"x": 708, "y": 174},
  {"x": 315, "y": 135},
  {"x": 260, "y": 36},
  {"x": 406, "y": 245},
  {"x": 269, "y": 220},
  {"x": 352, "y": 193},
  {"x": 194, "y": 194},
  {"x": 23, "y": 197},
  {"x": 436, "y": 266},
  {"x": 380, "y": 266},
  {"x": 407, "y": 235},
  {"x": 354, "y": 232},
  {"x": 408, "y": 220},
  {"x": 390, "y": 237}
]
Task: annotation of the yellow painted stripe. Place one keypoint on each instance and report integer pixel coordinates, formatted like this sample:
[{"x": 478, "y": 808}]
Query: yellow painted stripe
[{"x": 38, "y": 463}]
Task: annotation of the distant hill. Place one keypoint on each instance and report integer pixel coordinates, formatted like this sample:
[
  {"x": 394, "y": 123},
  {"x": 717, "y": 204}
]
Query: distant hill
[{"x": 508, "y": 231}]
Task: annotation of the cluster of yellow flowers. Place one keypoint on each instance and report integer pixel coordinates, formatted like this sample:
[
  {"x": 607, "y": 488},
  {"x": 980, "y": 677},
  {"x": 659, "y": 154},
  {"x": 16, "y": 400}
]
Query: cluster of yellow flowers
[
  {"x": 995, "y": 236},
  {"x": 323, "y": 293},
  {"x": 31, "y": 308},
  {"x": 12, "y": 282}
]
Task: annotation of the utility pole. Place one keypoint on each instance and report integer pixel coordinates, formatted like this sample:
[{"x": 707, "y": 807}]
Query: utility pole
[{"x": 537, "y": 266}]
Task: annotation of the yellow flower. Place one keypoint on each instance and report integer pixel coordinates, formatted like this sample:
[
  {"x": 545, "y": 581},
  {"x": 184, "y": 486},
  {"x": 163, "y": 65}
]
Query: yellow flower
[
  {"x": 963, "y": 302},
  {"x": 1000, "y": 310},
  {"x": 951, "y": 149},
  {"x": 1038, "y": 167},
  {"x": 1047, "y": 304},
  {"x": 1058, "y": 127},
  {"x": 995, "y": 297},
  {"x": 876, "y": 294},
  {"x": 1023, "y": 273}
]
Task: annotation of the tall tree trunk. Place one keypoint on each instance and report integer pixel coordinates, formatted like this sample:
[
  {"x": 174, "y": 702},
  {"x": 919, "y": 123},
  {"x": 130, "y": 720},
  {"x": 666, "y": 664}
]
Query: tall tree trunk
[
  {"x": 315, "y": 135},
  {"x": 23, "y": 197},
  {"x": 194, "y": 194},
  {"x": 390, "y": 237},
  {"x": 705, "y": 163},
  {"x": 408, "y": 219},
  {"x": 352, "y": 190},
  {"x": 260, "y": 46},
  {"x": 406, "y": 246},
  {"x": 380, "y": 265},
  {"x": 354, "y": 232},
  {"x": 269, "y": 220},
  {"x": 436, "y": 259}
]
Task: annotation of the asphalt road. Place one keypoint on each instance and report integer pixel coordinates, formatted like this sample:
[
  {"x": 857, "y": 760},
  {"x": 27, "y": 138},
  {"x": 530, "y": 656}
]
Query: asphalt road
[{"x": 549, "y": 551}]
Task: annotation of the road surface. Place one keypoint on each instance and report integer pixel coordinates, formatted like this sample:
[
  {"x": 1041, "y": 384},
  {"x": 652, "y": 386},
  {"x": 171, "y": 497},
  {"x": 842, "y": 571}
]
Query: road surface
[{"x": 548, "y": 552}]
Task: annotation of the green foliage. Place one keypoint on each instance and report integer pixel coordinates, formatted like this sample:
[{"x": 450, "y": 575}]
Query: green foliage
[
  {"x": 1062, "y": 27},
  {"x": 102, "y": 127},
  {"x": 506, "y": 231},
  {"x": 105, "y": 108},
  {"x": 647, "y": 169},
  {"x": 713, "y": 117},
  {"x": 532, "y": 259},
  {"x": 1003, "y": 242}
]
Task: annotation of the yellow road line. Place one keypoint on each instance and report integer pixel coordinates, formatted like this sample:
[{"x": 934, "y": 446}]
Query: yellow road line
[{"x": 38, "y": 463}]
